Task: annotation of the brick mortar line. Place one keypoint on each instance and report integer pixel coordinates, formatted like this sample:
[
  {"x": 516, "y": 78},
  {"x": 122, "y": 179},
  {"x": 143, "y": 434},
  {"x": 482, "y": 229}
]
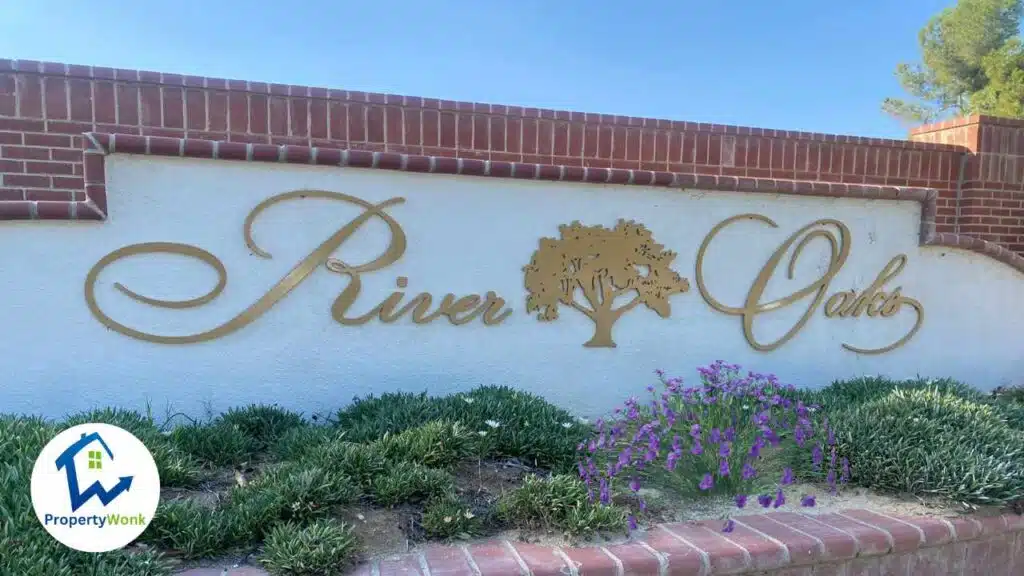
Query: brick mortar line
[
  {"x": 499, "y": 110},
  {"x": 208, "y": 149}
]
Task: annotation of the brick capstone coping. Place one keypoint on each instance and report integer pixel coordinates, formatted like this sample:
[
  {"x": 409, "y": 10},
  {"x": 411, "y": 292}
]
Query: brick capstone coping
[
  {"x": 92, "y": 205},
  {"x": 777, "y": 543}
]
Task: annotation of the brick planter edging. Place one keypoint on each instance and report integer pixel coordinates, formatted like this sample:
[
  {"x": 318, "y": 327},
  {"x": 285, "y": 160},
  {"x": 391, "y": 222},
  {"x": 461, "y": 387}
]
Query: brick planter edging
[{"x": 776, "y": 544}]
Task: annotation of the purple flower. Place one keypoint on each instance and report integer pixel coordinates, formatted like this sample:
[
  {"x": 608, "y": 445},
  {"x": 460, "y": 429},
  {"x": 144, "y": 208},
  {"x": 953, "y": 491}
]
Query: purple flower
[
  {"x": 780, "y": 499},
  {"x": 807, "y": 501},
  {"x": 723, "y": 468},
  {"x": 724, "y": 450},
  {"x": 730, "y": 525},
  {"x": 632, "y": 522},
  {"x": 715, "y": 437},
  {"x": 741, "y": 500},
  {"x": 605, "y": 492},
  {"x": 642, "y": 503},
  {"x": 749, "y": 472},
  {"x": 707, "y": 483},
  {"x": 787, "y": 476},
  {"x": 695, "y": 431},
  {"x": 765, "y": 500},
  {"x": 697, "y": 450},
  {"x": 634, "y": 484},
  {"x": 817, "y": 456}
]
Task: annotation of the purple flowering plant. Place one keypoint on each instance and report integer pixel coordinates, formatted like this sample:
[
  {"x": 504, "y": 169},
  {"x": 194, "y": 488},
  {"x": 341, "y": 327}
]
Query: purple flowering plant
[{"x": 731, "y": 434}]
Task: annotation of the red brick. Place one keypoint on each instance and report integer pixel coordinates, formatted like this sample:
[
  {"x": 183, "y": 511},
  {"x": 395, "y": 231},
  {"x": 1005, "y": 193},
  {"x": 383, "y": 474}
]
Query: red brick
[
  {"x": 540, "y": 560},
  {"x": 15, "y": 210},
  {"x": 49, "y": 168},
  {"x": 407, "y": 565},
  {"x": 723, "y": 554},
  {"x": 592, "y": 561},
  {"x": 682, "y": 558},
  {"x": 635, "y": 559},
  {"x": 904, "y": 538},
  {"x": 494, "y": 558},
  {"x": 447, "y": 561}
]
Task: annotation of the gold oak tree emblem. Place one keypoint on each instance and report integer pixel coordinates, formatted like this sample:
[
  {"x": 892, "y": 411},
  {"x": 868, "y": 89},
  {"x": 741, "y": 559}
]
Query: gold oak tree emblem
[{"x": 601, "y": 264}]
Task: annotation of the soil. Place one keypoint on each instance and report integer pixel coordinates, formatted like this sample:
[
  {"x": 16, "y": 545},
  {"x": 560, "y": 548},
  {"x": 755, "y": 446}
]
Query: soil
[{"x": 389, "y": 531}]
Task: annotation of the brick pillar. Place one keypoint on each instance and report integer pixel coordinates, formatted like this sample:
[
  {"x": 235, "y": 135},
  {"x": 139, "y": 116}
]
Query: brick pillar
[{"x": 990, "y": 196}]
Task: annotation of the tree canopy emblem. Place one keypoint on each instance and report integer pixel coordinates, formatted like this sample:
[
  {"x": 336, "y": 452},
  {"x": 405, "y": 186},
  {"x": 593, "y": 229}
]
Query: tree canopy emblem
[{"x": 600, "y": 265}]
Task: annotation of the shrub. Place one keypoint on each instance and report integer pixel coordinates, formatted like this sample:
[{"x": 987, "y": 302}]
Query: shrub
[
  {"x": 517, "y": 424},
  {"x": 447, "y": 517},
  {"x": 434, "y": 444},
  {"x": 324, "y": 548},
  {"x": 726, "y": 436},
  {"x": 217, "y": 443},
  {"x": 264, "y": 424},
  {"x": 1013, "y": 394},
  {"x": 189, "y": 528},
  {"x": 299, "y": 442},
  {"x": 410, "y": 482},
  {"x": 559, "y": 502},
  {"x": 844, "y": 393},
  {"x": 930, "y": 442},
  {"x": 293, "y": 491},
  {"x": 360, "y": 462}
]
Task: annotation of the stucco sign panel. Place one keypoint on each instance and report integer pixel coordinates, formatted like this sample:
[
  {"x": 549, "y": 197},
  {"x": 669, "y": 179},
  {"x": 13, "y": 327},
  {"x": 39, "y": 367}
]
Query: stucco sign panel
[{"x": 215, "y": 284}]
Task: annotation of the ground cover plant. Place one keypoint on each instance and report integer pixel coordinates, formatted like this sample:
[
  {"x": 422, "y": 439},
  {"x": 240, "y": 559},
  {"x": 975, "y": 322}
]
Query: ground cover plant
[{"x": 312, "y": 496}]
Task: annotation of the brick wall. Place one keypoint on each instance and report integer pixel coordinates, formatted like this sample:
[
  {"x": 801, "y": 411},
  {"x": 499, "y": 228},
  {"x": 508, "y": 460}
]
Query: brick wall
[
  {"x": 991, "y": 201},
  {"x": 45, "y": 108}
]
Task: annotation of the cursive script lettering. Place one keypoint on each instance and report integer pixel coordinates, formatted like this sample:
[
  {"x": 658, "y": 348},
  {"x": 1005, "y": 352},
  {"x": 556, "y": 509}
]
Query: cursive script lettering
[
  {"x": 492, "y": 307},
  {"x": 458, "y": 311},
  {"x": 874, "y": 301}
]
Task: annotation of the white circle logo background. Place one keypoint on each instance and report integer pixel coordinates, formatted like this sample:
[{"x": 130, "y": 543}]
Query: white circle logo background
[{"x": 128, "y": 480}]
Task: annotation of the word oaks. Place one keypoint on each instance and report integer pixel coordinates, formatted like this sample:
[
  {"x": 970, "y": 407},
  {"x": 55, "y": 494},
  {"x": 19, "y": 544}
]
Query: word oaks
[{"x": 601, "y": 273}]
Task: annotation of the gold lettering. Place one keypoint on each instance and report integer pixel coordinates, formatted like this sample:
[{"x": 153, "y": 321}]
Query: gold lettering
[
  {"x": 887, "y": 305},
  {"x": 384, "y": 311},
  {"x": 873, "y": 301},
  {"x": 838, "y": 303},
  {"x": 752, "y": 306}
]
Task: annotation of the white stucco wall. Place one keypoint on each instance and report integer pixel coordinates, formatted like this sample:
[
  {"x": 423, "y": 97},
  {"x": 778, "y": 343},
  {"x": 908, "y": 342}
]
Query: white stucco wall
[{"x": 468, "y": 236}]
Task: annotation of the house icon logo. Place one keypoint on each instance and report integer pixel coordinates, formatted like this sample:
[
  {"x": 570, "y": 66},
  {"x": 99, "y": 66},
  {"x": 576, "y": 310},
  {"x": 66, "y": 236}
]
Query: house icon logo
[{"x": 95, "y": 487}]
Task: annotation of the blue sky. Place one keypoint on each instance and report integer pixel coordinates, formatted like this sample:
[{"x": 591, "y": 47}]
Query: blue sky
[{"x": 790, "y": 64}]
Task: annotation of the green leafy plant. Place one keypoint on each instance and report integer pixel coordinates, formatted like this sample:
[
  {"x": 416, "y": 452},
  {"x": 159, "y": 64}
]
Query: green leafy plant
[
  {"x": 410, "y": 482},
  {"x": 264, "y": 424},
  {"x": 929, "y": 442},
  {"x": 323, "y": 548},
  {"x": 517, "y": 424},
  {"x": 448, "y": 517},
  {"x": 560, "y": 502},
  {"x": 218, "y": 443},
  {"x": 435, "y": 444},
  {"x": 301, "y": 441},
  {"x": 293, "y": 491},
  {"x": 189, "y": 528}
]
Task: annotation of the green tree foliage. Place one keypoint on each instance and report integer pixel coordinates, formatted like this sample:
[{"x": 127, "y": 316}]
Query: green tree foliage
[{"x": 972, "y": 62}]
